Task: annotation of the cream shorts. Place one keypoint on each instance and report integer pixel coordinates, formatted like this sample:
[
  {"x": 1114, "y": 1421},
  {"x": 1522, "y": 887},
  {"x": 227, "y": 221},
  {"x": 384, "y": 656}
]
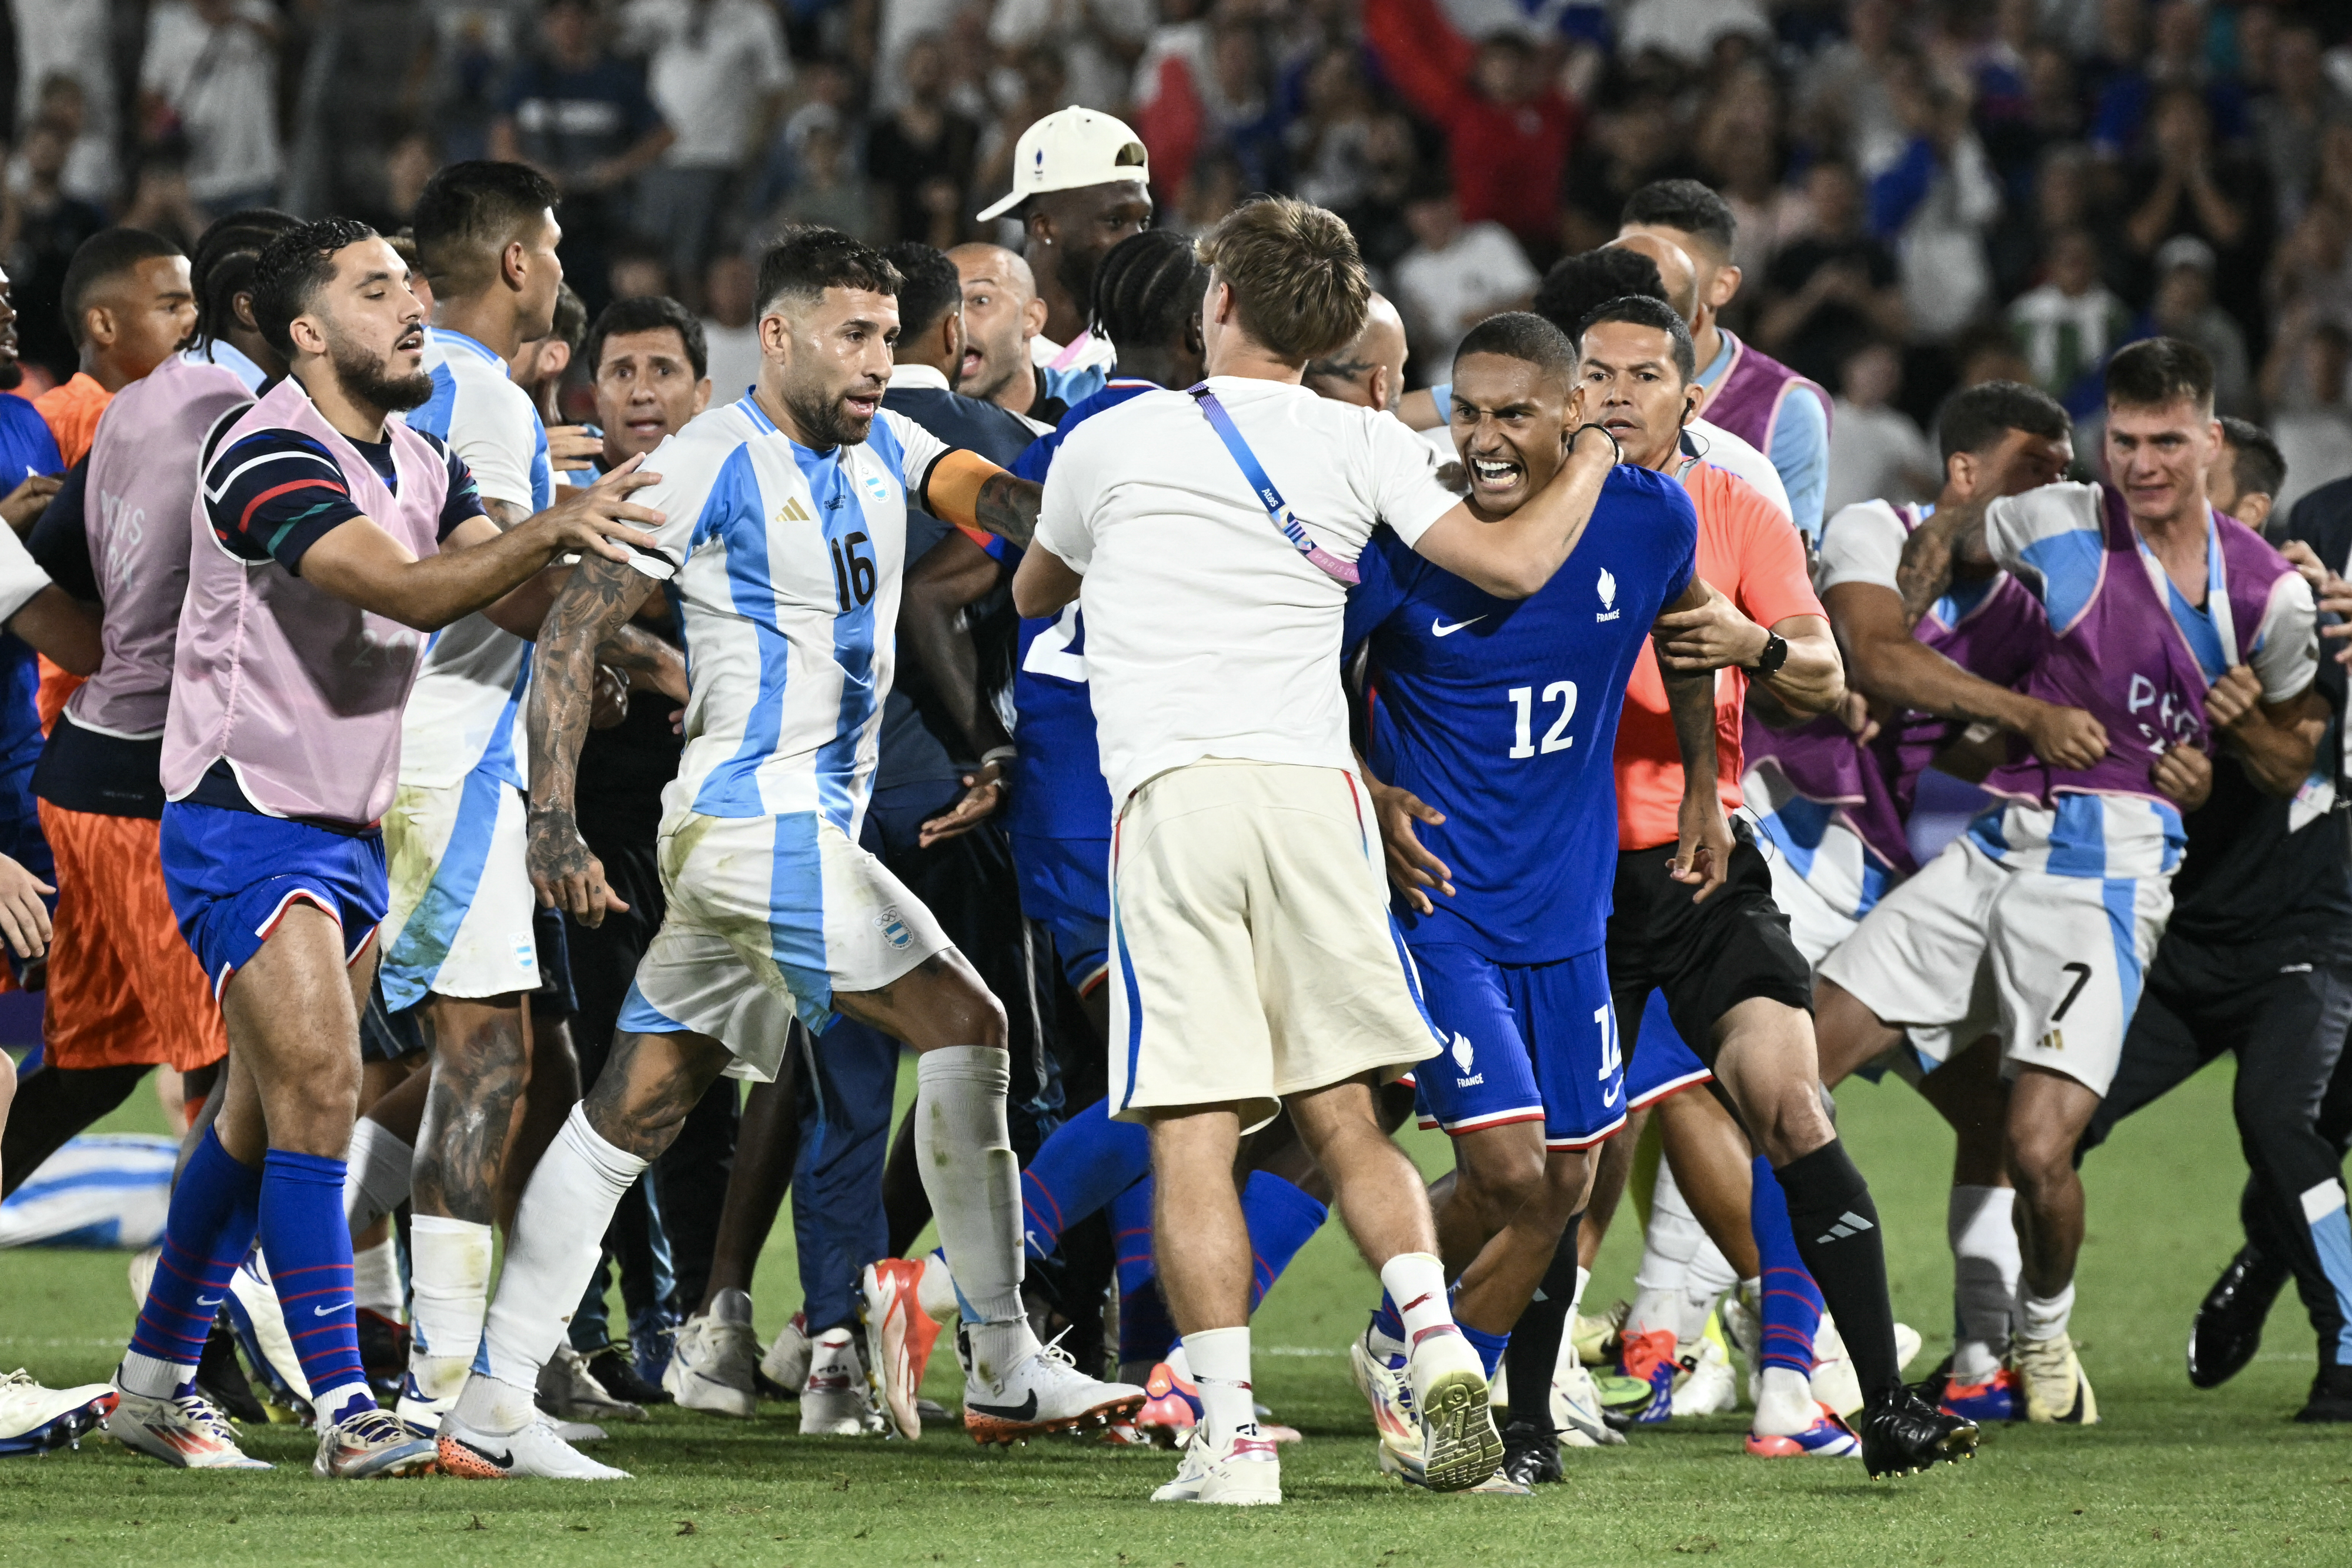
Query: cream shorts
[
  {"x": 459, "y": 920},
  {"x": 1252, "y": 951}
]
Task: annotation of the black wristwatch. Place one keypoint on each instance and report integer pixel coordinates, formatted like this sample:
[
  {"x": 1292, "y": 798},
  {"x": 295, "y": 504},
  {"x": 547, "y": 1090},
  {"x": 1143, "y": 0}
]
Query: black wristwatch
[{"x": 1775, "y": 655}]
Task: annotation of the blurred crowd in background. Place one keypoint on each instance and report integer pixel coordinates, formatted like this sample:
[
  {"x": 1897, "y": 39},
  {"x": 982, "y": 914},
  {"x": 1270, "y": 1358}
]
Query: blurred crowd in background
[{"x": 1930, "y": 193}]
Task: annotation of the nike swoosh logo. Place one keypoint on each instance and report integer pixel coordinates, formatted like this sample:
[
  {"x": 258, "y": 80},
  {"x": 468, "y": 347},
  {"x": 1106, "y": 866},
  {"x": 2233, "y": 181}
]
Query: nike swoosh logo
[
  {"x": 208, "y": 1300},
  {"x": 1025, "y": 1411},
  {"x": 503, "y": 1461},
  {"x": 1440, "y": 629},
  {"x": 1609, "y": 1100},
  {"x": 328, "y": 1312}
]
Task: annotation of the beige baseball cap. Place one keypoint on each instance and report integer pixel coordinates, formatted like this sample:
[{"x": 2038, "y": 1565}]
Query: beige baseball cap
[{"x": 1069, "y": 150}]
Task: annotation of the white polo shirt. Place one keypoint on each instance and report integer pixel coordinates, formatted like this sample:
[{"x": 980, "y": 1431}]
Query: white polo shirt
[{"x": 1208, "y": 635}]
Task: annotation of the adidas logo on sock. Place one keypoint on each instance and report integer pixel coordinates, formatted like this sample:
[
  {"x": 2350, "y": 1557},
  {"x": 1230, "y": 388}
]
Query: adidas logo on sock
[{"x": 1848, "y": 1224}]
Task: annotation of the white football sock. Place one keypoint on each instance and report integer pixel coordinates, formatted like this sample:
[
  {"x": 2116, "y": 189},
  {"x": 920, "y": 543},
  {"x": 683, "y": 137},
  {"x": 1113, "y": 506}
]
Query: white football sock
[
  {"x": 937, "y": 1292},
  {"x": 1784, "y": 1404},
  {"x": 1221, "y": 1369},
  {"x": 2044, "y": 1317},
  {"x": 974, "y": 1181},
  {"x": 1711, "y": 1275},
  {"x": 551, "y": 1252},
  {"x": 375, "y": 1174},
  {"x": 375, "y": 1279},
  {"x": 449, "y": 1269},
  {"x": 1670, "y": 1245},
  {"x": 1986, "y": 1262},
  {"x": 1415, "y": 1281}
]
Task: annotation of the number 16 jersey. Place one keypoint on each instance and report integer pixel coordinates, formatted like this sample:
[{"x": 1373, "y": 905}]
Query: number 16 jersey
[
  {"x": 787, "y": 592},
  {"x": 1502, "y": 715}
]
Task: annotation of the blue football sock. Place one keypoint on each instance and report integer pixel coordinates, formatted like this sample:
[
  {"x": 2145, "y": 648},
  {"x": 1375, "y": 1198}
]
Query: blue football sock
[
  {"x": 1145, "y": 1332},
  {"x": 1490, "y": 1346},
  {"x": 1281, "y": 1219},
  {"x": 216, "y": 1209},
  {"x": 309, "y": 1245},
  {"x": 1791, "y": 1305},
  {"x": 1388, "y": 1321},
  {"x": 1087, "y": 1161}
]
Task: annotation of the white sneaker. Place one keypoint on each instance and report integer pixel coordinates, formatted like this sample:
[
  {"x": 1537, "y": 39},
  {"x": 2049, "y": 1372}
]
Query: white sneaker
[
  {"x": 1044, "y": 1392},
  {"x": 535, "y": 1451},
  {"x": 569, "y": 1390},
  {"x": 1380, "y": 1378},
  {"x": 786, "y": 1364},
  {"x": 1709, "y": 1387},
  {"x": 835, "y": 1402},
  {"x": 261, "y": 1328},
  {"x": 1459, "y": 1445},
  {"x": 1407, "y": 1468},
  {"x": 1576, "y": 1412},
  {"x": 711, "y": 1360},
  {"x": 1243, "y": 1471},
  {"x": 1743, "y": 1331},
  {"x": 186, "y": 1431},
  {"x": 428, "y": 1389},
  {"x": 372, "y": 1443},
  {"x": 1834, "y": 1380},
  {"x": 33, "y": 1419}
]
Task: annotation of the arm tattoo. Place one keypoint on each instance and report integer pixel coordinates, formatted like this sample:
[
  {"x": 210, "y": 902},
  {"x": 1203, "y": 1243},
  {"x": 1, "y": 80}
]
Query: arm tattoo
[
  {"x": 506, "y": 513},
  {"x": 1926, "y": 568},
  {"x": 1007, "y": 507},
  {"x": 1690, "y": 699},
  {"x": 636, "y": 650},
  {"x": 593, "y": 603}
]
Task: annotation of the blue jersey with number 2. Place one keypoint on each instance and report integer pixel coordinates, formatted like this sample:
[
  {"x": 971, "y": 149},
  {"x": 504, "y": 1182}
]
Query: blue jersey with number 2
[{"x": 1502, "y": 715}]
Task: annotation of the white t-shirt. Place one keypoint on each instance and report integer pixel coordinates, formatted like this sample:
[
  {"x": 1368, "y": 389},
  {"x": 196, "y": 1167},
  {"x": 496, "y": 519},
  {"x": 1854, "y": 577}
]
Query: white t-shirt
[
  {"x": 1208, "y": 635},
  {"x": 709, "y": 76},
  {"x": 1451, "y": 291},
  {"x": 1876, "y": 451},
  {"x": 223, "y": 83}
]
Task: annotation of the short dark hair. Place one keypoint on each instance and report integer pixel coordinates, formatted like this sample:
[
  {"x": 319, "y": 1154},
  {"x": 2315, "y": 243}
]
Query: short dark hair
[
  {"x": 2155, "y": 372},
  {"x": 570, "y": 322},
  {"x": 469, "y": 212},
  {"x": 649, "y": 313},
  {"x": 806, "y": 261},
  {"x": 1299, "y": 281},
  {"x": 928, "y": 287},
  {"x": 1644, "y": 311},
  {"x": 292, "y": 271},
  {"x": 1684, "y": 205},
  {"x": 1146, "y": 285},
  {"x": 105, "y": 255},
  {"x": 2258, "y": 464},
  {"x": 224, "y": 264},
  {"x": 1577, "y": 285},
  {"x": 1521, "y": 335},
  {"x": 1974, "y": 419}
]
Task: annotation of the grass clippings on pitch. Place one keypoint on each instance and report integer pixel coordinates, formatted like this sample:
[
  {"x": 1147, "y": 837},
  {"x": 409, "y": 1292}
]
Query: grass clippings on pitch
[{"x": 2172, "y": 1475}]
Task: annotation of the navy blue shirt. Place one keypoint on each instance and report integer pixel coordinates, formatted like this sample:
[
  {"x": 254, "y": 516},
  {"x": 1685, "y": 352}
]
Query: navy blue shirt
[
  {"x": 276, "y": 493},
  {"x": 1502, "y": 715}
]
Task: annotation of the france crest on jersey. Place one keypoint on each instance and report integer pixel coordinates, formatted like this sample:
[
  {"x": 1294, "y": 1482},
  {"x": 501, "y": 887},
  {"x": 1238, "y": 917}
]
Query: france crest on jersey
[
  {"x": 1502, "y": 715},
  {"x": 790, "y": 563}
]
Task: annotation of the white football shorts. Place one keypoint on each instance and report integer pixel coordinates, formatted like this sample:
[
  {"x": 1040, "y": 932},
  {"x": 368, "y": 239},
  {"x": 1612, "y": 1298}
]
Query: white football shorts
[
  {"x": 770, "y": 917},
  {"x": 459, "y": 923},
  {"x": 2051, "y": 964}
]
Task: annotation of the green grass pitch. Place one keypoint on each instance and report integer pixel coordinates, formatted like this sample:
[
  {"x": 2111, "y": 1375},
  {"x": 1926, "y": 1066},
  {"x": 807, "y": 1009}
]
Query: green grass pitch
[{"x": 2172, "y": 1475}]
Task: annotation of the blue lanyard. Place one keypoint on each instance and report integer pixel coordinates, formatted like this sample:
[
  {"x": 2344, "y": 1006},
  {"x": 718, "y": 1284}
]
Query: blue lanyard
[{"x": 1276, "y": 508}]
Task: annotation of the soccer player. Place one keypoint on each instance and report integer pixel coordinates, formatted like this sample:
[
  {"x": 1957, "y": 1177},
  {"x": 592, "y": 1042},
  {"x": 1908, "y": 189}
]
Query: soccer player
[
  {"x": 1253, "y": 959},
  {"x": 1481, "y": 748},
  {"x": 127, "y": 299},
  {"x": 2249, "y": 474},
  {"x": 318, "y": 572},
  {"x": 1081, "y": 183},
  {"x": 1750, "y": 394},
  {"x": 2178, "y": 630},
  {"x": 458, "y": 943},
  {"x": 1735, "y": 988},
  {"x": 1839, "y": 812},
  {"x": 124, "y": 994},
  {"x": 2256, "y": 961},
  {"x": 785, "y": 528}
]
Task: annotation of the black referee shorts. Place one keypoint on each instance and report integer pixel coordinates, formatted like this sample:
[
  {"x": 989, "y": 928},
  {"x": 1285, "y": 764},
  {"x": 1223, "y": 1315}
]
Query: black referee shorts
[{"x": 1706, "y": 957}]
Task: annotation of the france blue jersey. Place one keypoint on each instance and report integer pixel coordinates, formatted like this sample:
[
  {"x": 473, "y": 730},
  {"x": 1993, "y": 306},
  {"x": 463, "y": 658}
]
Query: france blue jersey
[
  {"x": 1059, "y": 792},
  {"x": 1502, "y": 715}
]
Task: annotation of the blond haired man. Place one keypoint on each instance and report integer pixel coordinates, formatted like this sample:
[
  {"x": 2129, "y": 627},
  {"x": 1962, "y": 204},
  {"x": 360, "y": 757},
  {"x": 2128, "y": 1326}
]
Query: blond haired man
[{"x": 1254, "y": 963}]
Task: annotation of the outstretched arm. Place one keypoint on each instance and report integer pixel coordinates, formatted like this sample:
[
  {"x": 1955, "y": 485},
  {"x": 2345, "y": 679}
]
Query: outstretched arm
[
  {"x": 479, "y": 563},
  {"x": 592, "y": 606}
]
